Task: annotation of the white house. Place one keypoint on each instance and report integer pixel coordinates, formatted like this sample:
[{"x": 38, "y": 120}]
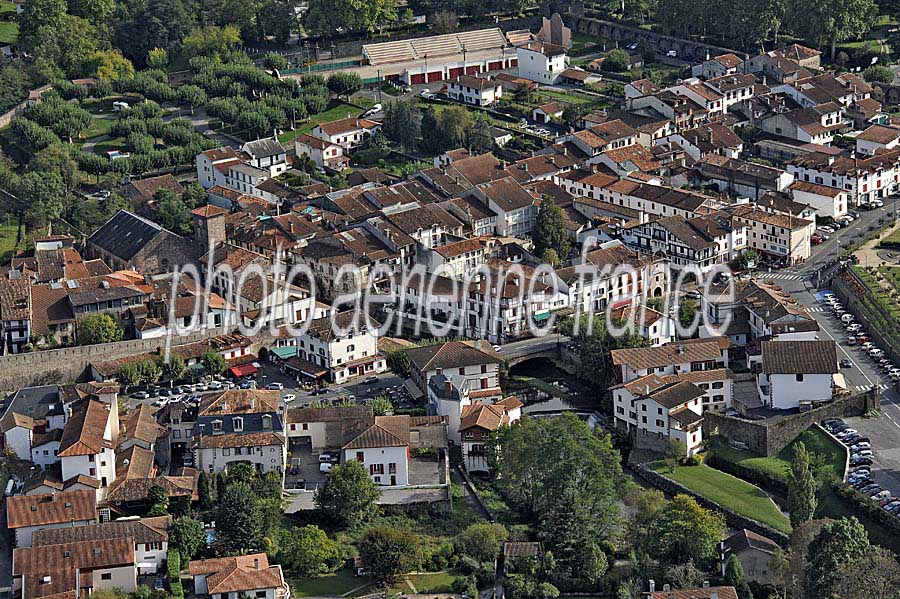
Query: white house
[
  {"x": 547, "y": 112},
  {"x": 267, "y": 154},
  {"x": 828, "y": 201},
  {"x": 477, "y": 91},
  {"x": 344, "y": 345},
  {"x": 323, "y": 153},
  {"x": 678, "y": 357},
  {"x": 516, "y": 208},
  {"x": 88, "y": 441},
  {"x": 791, "y": 373},
  {"x": 239, "y": 426},
  {"x": 479, "y": 422},
  {"x": 877, "y": 137},
  {"x": 655, "y": 326},
  {"x": 474, "y": 361},
  {"x": 777, "y": 235},
  {"x": 864, "y": 179},
  {"x": 149, "y": 535},
  {"x": 383, "y": 449},
  {"x": 541, "y": 62},
  {"x": 717, "y": 66},
  {"x": 348, "y": 133},
  {"x": 27, "y": 514},
  {"x": 238, "y": 576},
  {"x": 212, "y": 165},
  {"x": 18, "y": 431},
  {"x": 71, "y": 569},
  {"x": 654, "y": 408},
  {"x": 45, "y": 448}
]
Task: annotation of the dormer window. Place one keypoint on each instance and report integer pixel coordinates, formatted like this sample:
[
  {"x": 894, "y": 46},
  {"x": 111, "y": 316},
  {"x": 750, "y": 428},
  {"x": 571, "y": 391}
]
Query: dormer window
[
  {"x": 238, "y": 424},
  {"x": 217, "y": 426}
]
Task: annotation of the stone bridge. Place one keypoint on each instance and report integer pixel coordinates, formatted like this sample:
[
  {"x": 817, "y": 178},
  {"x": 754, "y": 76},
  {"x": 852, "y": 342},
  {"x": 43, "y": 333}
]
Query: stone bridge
[
  {"x": 688, "y": 50},
  {"x": 528, "y": 349}
]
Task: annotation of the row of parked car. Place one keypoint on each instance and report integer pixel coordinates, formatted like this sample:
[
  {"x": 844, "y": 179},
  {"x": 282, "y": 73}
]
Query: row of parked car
[
  {"x": 860, "y": 477},
  {"x": 857, "y": 336}
]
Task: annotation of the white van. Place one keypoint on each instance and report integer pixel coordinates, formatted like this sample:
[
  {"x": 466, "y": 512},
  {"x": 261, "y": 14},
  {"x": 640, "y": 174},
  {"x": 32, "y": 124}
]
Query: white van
[
  {"x": 120, "y": 106},
  {"x": 846, "y": 318}
]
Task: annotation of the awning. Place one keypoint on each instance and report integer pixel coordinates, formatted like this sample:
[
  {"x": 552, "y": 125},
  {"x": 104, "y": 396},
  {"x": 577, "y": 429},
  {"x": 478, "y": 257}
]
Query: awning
[
  {"x": 541, "y": 317},
  {"x": 284, "y": 353},
  {"x": 313, "y": 371},
  {"x": 244, "y": 370}
]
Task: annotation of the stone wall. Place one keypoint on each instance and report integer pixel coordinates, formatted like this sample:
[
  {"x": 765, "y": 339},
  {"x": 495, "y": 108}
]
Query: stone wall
[
  {"x": 768, "y": 437},
  {"x": 733, "y": 519},
  {"x": 850, "y": 300},
  {"x": 687, "y": 50},
  {"x": 69, "y": 364}
]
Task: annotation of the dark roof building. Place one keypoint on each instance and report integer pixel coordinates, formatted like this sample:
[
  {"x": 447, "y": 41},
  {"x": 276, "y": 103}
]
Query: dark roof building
[{"x": 129, "y": 241}]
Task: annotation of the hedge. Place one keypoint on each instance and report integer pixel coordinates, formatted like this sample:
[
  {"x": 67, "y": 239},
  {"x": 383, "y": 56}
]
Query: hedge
[
  {"x": 865, "y": 505},
  {"x": 767, "y": 483},
  {"x": 173, "y": 567}
]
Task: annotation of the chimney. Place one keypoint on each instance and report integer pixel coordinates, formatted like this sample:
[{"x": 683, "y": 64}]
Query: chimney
[
  {"x": 666, "y": 588},
  {"x": 705, "y": 584},
  {"x": 252, "y": 402},
  {"x": 448, "y": 388},
  {"x": 714, "y": 594},
  {"x": 256, "y": 563},
  {"x": 652, "y": 584}
]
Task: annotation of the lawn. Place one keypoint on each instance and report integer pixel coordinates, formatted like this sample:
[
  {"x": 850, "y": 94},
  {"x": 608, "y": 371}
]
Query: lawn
[
  {"x": 729, "y": 491},
  {"x": 7, "y": 7},
  {"x": 7, "y": 240},
  {"x": 116, "y": 143},
  {"x": 99, "y": 126},
  {"x": 9, "y": 32},
  {"x": 338, "y": 583},
  {"x": 573, "y": 98},
  {"x": 777, "y": 467},
  {"x": 336, "y": 110},
  {"x": 432, "y": 582}
]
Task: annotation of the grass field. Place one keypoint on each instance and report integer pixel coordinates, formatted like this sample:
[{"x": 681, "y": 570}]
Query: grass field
[
  {"x": 338, "y": 583},
  {"x": 573, "y": 98},
  {"x": 733, "y": 493},
  {"x": 433, "y": 582},
  {"x": 777, "y": 467},
  {"x": 9, "y": 32},
  {"x": 7, "y": 241},
  {"x": 98, "y": 127},
  {"x": 336, "y": 110}
]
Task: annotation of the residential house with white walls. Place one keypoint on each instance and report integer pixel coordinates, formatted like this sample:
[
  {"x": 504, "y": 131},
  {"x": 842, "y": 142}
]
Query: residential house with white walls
[
  {"x": 344, "y": 345},
  {"x": 516, "y": 208},
  {"x": 349, "y": 133},
  {"x": 475, "y": 362},
  {"x": 149, "y": 535},
  {"x": 541, "y": 62},
  {"x": 74, "y": 569},
  {"x": 827, "y": 201},
  {"x": 27, "y": 514},
  {"x": 383, "y": 450},
  {"x": 678, "y": 357},
  {"x": 795, "y": 373},
  {"x": 778, "y": 236},
  {"x": 478, "y": 423},
  {"x": 212, "y": 165},
  {"x": 88, "y": 441},
  {"x": 876, "y": 138},
  {"x": 239, "y": 426},
  {"x": 655, "y": 409},
  {"x": 238, "y": 576},
  {"x": 476, "y": 91},
  {"x": 717, "y": 66},
  {"x": 863, "y": 178},
  {"x": 267, "y": 154}
]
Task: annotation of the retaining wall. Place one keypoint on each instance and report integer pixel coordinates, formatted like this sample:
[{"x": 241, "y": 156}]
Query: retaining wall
[{"x": 768, "y": 437}]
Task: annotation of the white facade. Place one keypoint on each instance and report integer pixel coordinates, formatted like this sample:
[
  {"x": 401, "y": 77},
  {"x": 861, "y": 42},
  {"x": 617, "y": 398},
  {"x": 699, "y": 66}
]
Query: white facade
[
  {"x": 785, "y": 391},
  {"x": 100, "y": 466},
  {"x": 831, "y": 202},
  {"x": 266, "y": 458},
  {"x": 44, "y": 455},
  {"x": 25, "y": 533},
  {"x": 344, "y": 357},
  {"x": 18, "y": 439},
  {"x": 477, "y": 92},
  {"x": 536, "y": 65},
  {"x": 388, "y": 466}
]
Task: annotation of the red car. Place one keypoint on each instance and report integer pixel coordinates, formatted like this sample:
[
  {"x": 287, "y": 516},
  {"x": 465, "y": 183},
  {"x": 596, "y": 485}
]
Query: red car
[{"x": 815, "y": 240}]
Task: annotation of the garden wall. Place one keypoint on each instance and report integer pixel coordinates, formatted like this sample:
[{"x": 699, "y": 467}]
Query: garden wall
[
  {"x": 768, "y": 437},
  {"x": 850, "y": 298},
  {"x": 733, "y": 519}
]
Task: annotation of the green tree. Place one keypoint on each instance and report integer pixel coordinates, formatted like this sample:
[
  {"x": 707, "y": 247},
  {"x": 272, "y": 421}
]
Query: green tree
[
  {"x": 175, "y": 368},
  {"x": 158, "y": 499},
  {"x": 802, "y": 500},
  {"x": 388, "y": 552},
  {"x": 403, "y": 123},
  {"x": 348, "y": 495},
  {"x": 344, "y": 83},
  {"x": 95, "y": 11},
  {"x": 44, "y": 193},
  {"x": 326, "y": 16},
  {"x": 685, "y": 530},
  {"x": 213, "y": 362},
  {"x": 171, "y": 212},
  {"x": 734, "y": 576},
  {"x": 128, "y": 374},
  {"x": 205, "y": 491},
  {"x": 188, "y": 536},
  {"x": 550, "y": 230},
  {"x": 878, "y": 73},
  {"x": 381, "y": 405},
  {"x": 150, "y": 371},
  {"x": 192, "y": 95},
  {"x": 832, "y": 21},
  {"x": 646, "y": 505},
  {"x": 837, "y": 543},
  {"x": 875, "y": 575},
  {"x": 158, "y": 58},
  {"x": 453, "y": 126},
  {"x": 398, "y": 362},
  {"x": 211, "y": 41},
  {"x": 40, "y": 20},
  {"x": 481, "y": 541},
  {"x": 111, "y": 65},
  {"x": 616, "y": 60},
  {"x": 685, "y": 576},
  {"x": 308, "y": 552},
  {"x": 99, "y": 328},
  {"x": 239, "y": 526}
]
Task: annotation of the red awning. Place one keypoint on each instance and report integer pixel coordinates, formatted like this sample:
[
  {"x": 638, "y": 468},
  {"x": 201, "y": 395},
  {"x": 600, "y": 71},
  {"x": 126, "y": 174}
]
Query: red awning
[{"x": 243, "y": 370}]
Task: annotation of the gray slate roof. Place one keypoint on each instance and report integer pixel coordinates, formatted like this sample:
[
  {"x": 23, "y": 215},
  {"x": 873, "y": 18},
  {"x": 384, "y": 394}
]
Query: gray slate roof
[{"x": 125, "y": 234}]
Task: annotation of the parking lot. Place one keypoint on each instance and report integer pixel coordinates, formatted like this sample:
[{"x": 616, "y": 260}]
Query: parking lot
[{"x": 874, "y": 458}]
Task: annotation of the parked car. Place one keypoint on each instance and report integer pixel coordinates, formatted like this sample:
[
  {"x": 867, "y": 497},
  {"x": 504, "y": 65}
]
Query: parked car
[
  {"x": 846, "y": 363},
  {"x": 860, "y": 461},
  {"x": 325, "y": 467},
  {"x": 370, "y": 380},
  {"x": 870, "y": 488},
  {"x": 846, "y": 432},
  {"x": 879, "y": 495},
  {"x": 214, "y": 385},
  {"x": 275, "y": 386},
  {"x": 861, "y": 445},
  {"x": 289, "y": 397},
  {"x": 141, "y": 395},
  {"x": 864, "y": 453},
  {"x": 158, "y": 584}
]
